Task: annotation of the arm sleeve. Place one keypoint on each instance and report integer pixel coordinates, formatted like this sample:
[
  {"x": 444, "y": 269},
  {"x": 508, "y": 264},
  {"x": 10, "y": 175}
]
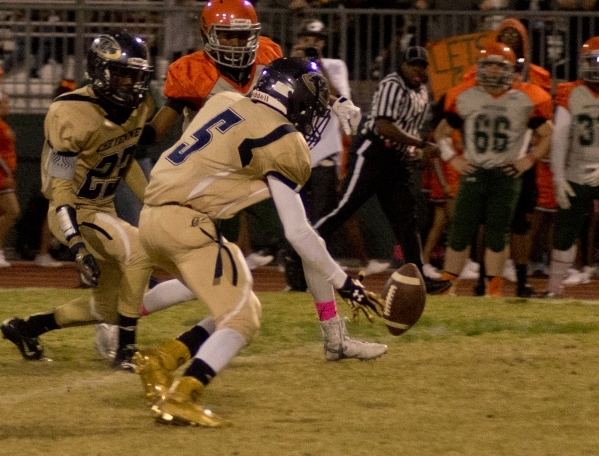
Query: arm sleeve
[
  {"x": 559, "y": 142},
  {"x": 306, "y": 242},
  {"x": 340, "y": 78}
]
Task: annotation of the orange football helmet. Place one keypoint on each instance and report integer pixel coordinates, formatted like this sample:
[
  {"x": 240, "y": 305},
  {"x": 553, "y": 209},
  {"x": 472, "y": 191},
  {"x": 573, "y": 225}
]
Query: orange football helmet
[
  {"x": 589, "y": 60},
  {"x": 495, "y": 67},
  {"x": 230, "y": 20}
]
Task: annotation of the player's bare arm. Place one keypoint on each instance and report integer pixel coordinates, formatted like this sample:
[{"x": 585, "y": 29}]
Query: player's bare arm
[{"x": 443, "y": 134}]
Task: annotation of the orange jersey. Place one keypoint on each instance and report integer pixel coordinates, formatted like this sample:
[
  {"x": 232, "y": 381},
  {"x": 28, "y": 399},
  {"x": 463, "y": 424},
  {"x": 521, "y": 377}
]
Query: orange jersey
[
  {"x": 195, "y": 77},
  {"x": 433, "y": 182},
  {"x": 8, "y": 157}
]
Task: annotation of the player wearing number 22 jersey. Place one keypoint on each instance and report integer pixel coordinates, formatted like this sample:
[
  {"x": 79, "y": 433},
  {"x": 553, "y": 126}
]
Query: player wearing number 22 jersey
[
  {"x": 90, "y": 137},
  {"x": 494, "y": 114}
]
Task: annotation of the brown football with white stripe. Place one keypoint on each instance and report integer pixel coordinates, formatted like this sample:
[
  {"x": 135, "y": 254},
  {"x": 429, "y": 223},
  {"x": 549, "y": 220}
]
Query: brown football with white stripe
[{"x": 405, "y": 296}]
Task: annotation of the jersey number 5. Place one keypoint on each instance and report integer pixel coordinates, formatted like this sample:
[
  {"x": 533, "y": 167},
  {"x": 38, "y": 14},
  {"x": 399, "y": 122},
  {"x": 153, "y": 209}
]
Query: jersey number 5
[{"x": 202, "y": 137}]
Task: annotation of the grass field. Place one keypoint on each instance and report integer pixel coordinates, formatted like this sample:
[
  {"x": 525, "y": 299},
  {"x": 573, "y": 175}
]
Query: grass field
[{"x": 475, "y": 376}]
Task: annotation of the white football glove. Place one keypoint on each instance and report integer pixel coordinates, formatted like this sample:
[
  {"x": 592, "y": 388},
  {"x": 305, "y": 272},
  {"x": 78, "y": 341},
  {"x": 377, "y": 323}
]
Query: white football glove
[
  {"x": 349, "y": 115},
  {"x": 563, "y": 192},
  {"x": 591, "y": 176}
]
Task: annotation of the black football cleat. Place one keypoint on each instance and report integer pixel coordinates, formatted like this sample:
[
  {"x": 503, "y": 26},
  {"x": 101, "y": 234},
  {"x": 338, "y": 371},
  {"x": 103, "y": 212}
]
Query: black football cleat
[
  {"x": 30, "y": 347},
  {"x": 525, "y": 291},
  {"x": 435, "y": 287},
  {"x": 123, "y": 359},
  {"x": 480, "y": 289}
]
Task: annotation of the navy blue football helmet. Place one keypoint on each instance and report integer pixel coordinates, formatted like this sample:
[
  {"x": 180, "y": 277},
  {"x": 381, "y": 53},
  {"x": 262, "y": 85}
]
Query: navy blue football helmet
[{"x": 297, "y": 89}]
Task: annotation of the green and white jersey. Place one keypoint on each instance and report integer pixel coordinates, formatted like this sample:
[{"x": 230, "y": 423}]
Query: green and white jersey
[
  {"x": 582, "y": 150},
  {"x": 494, "y": 127}
]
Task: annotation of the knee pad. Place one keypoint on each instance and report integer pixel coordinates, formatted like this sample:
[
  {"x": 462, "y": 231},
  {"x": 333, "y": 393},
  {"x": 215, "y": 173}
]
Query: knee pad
[
  {"x": 105, "y": 313},
  {"x": 245, "y": 320},
  {"x": 495, "y": 240}
]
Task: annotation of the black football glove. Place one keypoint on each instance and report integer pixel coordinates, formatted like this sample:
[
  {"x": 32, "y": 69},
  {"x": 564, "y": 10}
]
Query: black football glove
[
  {"x": 360, "y": 299},
  {"x": 89, "y": 272}
]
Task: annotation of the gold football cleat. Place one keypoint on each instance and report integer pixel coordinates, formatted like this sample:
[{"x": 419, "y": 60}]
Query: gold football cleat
[
  {"x": 156, "y": 367},
  {"x": 179, "y": 407},
  {"x": 155, "y": 378}
]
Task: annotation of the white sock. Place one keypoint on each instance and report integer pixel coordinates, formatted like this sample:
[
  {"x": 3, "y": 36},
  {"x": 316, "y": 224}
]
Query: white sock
[
  {"x": 165, "y": 295},
  {"x": 561, "y": 260},
  {"x": 208, "y": 324},
  {"x": 220, "y": 348}
]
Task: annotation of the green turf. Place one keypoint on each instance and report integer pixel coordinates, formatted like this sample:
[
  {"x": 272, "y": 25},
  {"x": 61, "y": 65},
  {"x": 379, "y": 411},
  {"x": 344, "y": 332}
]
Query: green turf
[{"x": 475, "y": 376}]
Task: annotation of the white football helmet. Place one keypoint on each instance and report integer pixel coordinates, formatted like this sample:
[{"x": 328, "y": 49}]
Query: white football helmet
[
  {"x": 589, "y": 61},
  {"x": 495, "y": 67}
]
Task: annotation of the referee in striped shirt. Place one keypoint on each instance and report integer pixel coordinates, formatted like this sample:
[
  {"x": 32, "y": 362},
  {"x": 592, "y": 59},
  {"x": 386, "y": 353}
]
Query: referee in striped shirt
[{"x": 378, "y": 162}]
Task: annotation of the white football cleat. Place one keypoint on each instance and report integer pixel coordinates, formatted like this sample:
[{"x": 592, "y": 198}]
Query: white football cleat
[
  {"x": 470, "y": 271},
  {"x": 430, "y": 271},
  {"x": 338, "y": 345},
  {"x": 255, "y": 260},
  {"x": 106, "y": 340},
  {"x": 45, "y": 260},
  {"x": 509, "y": 271},
  {"x": 375, "y": 266},
  {"x": 3, "y": 262}
]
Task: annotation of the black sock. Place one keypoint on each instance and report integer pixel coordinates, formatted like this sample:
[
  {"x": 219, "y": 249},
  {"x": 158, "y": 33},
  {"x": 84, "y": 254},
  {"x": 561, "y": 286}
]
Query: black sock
[
  {"x": 39, "y": 324},
  {"x": 127, "y": 327},
  {"x": 194, "y": 338},
  {"x": 521, "y": 270},
  {"x": 482, "y": 273},
  {"x": 200, "y": 370}
]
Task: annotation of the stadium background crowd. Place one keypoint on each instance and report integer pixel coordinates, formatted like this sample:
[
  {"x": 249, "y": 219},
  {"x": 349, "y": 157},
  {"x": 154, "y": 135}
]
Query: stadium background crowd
[{"x": 41, "y": 45}]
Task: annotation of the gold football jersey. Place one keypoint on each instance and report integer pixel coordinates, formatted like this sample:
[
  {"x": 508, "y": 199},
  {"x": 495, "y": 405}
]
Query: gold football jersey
[
  {"x": 79, "y": 135},
  {"x": 220, "y": 164}
]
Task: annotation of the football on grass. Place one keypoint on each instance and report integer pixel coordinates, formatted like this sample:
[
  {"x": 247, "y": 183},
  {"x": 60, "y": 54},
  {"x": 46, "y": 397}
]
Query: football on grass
[{"x": 405, "y": 296}]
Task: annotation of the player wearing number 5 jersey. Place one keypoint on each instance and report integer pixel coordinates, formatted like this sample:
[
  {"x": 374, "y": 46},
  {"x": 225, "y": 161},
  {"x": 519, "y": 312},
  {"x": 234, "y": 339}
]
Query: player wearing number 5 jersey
[
  {"x": 91, "y": 134},
  {"x": 494, "y": 114},
  {"x": 236, "y": 151},
  {"x": 574, "y": 160}
]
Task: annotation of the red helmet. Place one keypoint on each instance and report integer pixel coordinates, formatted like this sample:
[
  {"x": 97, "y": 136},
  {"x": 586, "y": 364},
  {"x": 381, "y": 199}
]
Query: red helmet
[
  {"x": 589, "y": 60},
  {"x": 495, "y": 66},
  {"x": 227, "y": 19}
]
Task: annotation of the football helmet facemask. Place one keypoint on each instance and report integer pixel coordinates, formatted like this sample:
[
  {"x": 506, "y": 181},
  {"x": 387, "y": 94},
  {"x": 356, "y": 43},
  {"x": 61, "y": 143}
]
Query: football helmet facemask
[
  {"x": 589, "y": 61},
  {"x": 227, "y": 21},
  {"x": 117, "y": 64},
  {"x": 495, "y": 67},
  {"x": 297, "y": 89}
]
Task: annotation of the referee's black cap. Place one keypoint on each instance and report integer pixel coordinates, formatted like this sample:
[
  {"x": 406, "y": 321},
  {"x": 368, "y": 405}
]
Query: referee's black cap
[{"x": 414, "y": 55}]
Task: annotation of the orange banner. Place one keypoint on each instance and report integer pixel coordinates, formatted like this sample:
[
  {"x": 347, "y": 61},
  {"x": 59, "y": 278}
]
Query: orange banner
[{"x": 451, "y": 57}]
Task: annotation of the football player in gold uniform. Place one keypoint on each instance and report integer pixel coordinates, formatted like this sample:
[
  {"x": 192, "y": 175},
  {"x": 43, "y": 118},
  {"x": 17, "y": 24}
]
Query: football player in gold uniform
[
  {"x": 236, "y": 151},
  {"x": 91, "y": 134},
  {"x": 232, "y": 61}
]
